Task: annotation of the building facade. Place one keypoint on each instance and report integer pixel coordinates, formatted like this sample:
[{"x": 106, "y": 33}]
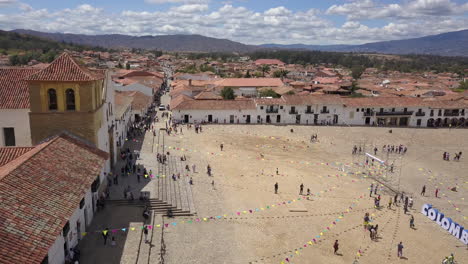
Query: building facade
[{"x": 325, "y": 110}]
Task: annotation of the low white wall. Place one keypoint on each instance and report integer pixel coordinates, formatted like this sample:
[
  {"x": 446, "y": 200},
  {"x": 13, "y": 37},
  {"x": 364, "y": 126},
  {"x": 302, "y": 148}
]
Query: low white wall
[{"x": 19, "y": 120}]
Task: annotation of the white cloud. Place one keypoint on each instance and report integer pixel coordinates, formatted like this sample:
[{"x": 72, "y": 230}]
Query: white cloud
[
  {"x": 190, "y": 8},
  {"x": 277, "y": 24},
  {"x": 278, "y": 11},
  {"x": 369, "y": 9}
]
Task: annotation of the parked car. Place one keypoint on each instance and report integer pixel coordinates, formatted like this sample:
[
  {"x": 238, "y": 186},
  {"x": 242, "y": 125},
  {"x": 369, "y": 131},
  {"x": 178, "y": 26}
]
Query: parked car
[{"x": 162, "y": 108}]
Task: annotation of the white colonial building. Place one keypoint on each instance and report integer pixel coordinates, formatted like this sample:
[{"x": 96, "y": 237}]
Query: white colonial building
[{"x": 324, "y": 110}]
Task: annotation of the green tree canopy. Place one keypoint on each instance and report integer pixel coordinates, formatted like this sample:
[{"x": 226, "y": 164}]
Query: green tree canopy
[
  {"x": 265, "y": 69},
  {"x": 228, "y": 93},
  {"x": 463, "y": 86},
  {"x": 268, "y": 93},
  {"x": 357, "y": 71},
  {"x": 280, "y": 73}
]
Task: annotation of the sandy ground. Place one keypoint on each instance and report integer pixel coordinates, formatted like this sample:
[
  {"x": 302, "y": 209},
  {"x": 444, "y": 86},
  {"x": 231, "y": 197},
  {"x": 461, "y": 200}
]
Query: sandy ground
[{"x": 244, "y": 174}]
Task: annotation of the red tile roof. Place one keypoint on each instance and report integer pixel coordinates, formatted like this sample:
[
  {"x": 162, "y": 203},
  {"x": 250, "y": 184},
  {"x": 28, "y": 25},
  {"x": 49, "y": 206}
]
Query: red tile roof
[
  {"x": 8, "y": 154},
  {"x": 269, "y": 62},
  {"x": 140, "y": 101},
  {"x": 39, "y": 191},
  {"x": 215, "y": 105},
  {"x": 208, "y": 95},
  {"x": 251, "y": 82},
  {"x": 14, "y": 91},
  {"x": 66, "y": 69}
]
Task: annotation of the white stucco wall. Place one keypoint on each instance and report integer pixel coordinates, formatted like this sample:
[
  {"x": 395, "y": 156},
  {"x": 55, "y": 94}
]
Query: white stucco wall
[
  {"x": 347, "y": 116},
  {"x": 19, "y": 120},
  {"x": 56, "y": 252}
]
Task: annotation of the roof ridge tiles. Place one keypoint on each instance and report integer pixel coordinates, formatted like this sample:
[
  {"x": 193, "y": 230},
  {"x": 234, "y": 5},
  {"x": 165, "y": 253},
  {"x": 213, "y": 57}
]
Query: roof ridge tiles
[{"x": 65, "y": 69}]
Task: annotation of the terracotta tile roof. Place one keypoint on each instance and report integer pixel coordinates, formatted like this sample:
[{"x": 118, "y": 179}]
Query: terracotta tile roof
[
  {"x": 66, "y": 69},
  {"x": 269, "y": 62},
  {"x": 40, "y": 190},
  {"x": 270, "y": 101},
  {"x": 175, "y": 101},
  {"x": 14, "y": 91},
  {"x": 8, "y": 154},
  {"x": 312, "y": 99},
  {"x": 215, "y": 105},
  {"x": 122, "y": 102},
  {"x": 251, "y": 82},
  {"x": 382, "y": 101},
  {"x": 208, "y": 95},
  {"x": 326, "y": 80},
  {"x": 140, "y": 101}
]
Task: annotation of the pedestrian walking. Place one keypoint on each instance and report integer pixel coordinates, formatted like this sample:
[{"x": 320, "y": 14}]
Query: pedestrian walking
[
  {"x": 375, "y": 189},
  {"x": 390, "y": 203},
  {"x": 436, "y": 192},
  {"x": 371, "y": 188},
  {"x": 335, "y": 247},
  {"x": 411, "y": 222},
  {"x": 191, "y": 181},
  {"x": 423, "y": 192},
  {"x": 105, "y": 234},
  {"x": 193, "y": 168},
  {"x": 113, "y": 243},
  {"x": 277, "y": 171},
  {"x": 301, "y": 188},
  {"x": 212, "y": 184},
  {"x": 145, "y": 232},
  {"x": 276, "y": 188},
  {"x": 400, "y": 249},
  {"x": 221, "y": 147}
]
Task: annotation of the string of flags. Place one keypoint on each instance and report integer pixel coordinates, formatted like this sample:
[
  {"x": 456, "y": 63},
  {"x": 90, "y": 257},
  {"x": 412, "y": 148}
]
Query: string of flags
[
  {"x": 223, "y": 216},
  {"x": 200, "y": 219},
  {"x": 326, "y": 229}
]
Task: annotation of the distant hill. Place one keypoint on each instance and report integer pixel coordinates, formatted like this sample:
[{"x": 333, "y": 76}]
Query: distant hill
[
  {"x": 195, "y": 43},
  {"x": 23, "y": 48},
  {"x": 12, "y": 42},
  {"x": 445, "y": 44}
]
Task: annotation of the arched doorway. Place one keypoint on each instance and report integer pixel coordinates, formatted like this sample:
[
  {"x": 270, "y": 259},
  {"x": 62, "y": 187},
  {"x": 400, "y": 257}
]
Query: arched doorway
[
  {"x": 461, "y": 122},
  {"x": 446, "y": 121},
  {"x": 454, "y": 122},
  {"x": 438, "y": 122},
  {"x": 430, "y": 122}
]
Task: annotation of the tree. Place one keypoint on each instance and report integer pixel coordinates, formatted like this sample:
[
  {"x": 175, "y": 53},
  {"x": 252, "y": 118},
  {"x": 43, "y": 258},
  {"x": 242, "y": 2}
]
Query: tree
[
  {"x": 247, "y": 74},
  {"x": 127, "y": 66},
  {"x": 357, "y": 71},
  {"x": 14, "y": 60},
  {"x": 265, "y": 69},
  {"x": 280, "y": 73},
  {"x": 268, "y": 93},
  {"x": 227, "y": 93},
  {"x": 463, "y": 85},
  {"x": 120, "y": 66}
]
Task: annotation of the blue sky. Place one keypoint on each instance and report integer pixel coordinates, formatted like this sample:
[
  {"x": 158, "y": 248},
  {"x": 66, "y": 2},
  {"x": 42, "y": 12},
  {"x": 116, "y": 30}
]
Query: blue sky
[{"x": 247, "y": 21}]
